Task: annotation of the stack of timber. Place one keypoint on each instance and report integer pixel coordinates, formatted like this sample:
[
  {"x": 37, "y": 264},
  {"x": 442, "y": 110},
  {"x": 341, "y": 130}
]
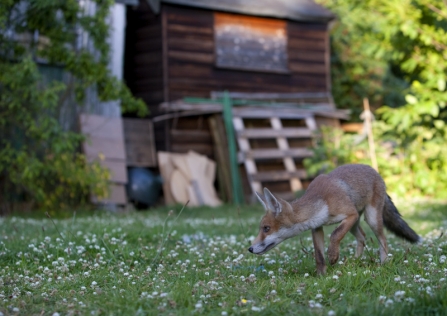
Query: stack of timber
[
  {"x": 105, "y": 143},
  {"x": 188, "y": 177},
  {"x": 274, "y": 133}
]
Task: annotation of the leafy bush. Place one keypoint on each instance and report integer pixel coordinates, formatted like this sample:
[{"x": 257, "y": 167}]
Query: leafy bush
[
  {"x": 40, "y": 161},
  {"x": 394, "y": 53},
  {"x": 417, "y": 169}
]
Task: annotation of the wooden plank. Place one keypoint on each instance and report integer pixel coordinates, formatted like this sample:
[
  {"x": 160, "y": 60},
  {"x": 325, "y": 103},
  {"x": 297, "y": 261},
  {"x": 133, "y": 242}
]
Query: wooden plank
[
  {"x": 311, "y": 124},
  {"x": 188, "y": 44},
  {"x": 117, "y": 169},
  {"x": 105, "y": 141},
  {"x": 244, "y": 146},
  {"x": 280, "y": 175},
  {"x": 272, "y": 96},
  {"x": 108, "y": 148},
  {"x": 306, "y": 44},
  {"x": 327, "y": 61},
  {"x": 259, "y": 133},
  {"x": 101, "y": 126},
  {"x": 307, "y": 67},
  {"x": 298, "y": 55},
  {"x": 221, "y": 156},
  {"x": 205, "y": 58},
  {"x": 295, "y": 30},
  {"x": 269, "y": 112},
  {"x": 166, "y": 93},
  {"x": 148, "y": 58},
  {"x": 289, "y": 163},
  {"x": 140, "y": 143},
  {"x": 117, "y": 194},
  {"x": 186, "y": 29},
  {"x": 259, "y": 154},
  {"x": 190, "y": 136}
]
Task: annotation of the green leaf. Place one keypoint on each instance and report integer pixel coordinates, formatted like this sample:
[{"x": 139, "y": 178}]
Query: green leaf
[
  {"x": 441, "y": 84},
  {"x": 411, "y": 99}
]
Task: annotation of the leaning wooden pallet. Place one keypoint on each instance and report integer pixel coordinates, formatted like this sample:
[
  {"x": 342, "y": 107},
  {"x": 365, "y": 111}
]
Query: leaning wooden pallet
[{"x": 252, "y": 157}]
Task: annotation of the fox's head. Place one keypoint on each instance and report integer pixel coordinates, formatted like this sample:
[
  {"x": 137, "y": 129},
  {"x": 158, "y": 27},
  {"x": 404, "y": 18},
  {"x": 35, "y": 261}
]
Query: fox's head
[{"x": 274, "y": 224}]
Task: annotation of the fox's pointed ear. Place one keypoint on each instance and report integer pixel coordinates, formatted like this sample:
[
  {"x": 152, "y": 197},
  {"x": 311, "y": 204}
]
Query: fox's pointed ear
[
  {"x": 261, "y": 199},
  {"x": 272, "y": 202}
]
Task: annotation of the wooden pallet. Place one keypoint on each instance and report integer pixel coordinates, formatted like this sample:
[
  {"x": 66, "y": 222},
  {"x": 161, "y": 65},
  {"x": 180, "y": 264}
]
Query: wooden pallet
[{"x": 283, "y": 151}]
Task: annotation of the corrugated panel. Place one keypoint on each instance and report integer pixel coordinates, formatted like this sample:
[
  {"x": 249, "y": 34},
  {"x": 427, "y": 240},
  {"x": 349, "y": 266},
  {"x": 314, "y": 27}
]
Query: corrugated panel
[
  {"x": 127, "y": 2},
  {"x": 298, "y": 10}
]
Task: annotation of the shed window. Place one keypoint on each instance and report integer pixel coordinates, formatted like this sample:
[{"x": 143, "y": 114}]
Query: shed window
[{"x": 250, "y": 43}]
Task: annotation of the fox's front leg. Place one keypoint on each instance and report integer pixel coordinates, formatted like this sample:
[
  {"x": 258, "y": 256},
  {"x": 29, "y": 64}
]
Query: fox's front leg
[
  {"x": 333, "y": 251},
  {"x": 318, "y": 239}
]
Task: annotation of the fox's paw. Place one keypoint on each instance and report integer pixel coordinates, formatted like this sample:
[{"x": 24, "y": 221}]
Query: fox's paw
[{"x": 333, "y": 254}]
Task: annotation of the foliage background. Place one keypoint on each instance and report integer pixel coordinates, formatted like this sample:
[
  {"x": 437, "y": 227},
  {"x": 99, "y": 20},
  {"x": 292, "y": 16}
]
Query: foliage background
[
  {"x": 40, "y": 163},
  {"x": 394, "y": 53}
]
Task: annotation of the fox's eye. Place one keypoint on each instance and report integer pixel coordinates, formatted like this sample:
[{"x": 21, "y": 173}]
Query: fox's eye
[{"x": 266, "y": 229}]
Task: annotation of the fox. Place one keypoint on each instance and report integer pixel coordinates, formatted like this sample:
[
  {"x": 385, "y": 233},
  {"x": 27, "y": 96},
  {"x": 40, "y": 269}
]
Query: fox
[{"x": 340, "y": 196}]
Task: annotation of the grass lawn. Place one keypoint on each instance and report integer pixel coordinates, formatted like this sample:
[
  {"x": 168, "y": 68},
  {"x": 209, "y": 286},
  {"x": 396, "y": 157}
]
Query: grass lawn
[{"x": 152, "y": 263}]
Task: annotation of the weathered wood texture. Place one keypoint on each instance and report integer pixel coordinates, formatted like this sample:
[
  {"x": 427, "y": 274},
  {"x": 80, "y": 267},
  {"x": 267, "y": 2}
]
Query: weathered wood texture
[
  {"x": 105, "y": 143},
  {"x": 139, "y": 140},
  {"x": 172, "y": 55},
  {"x": 192, "y": 64},
  {"x": 275, "y": 161},
  {"x": 143, "y": 59},
  {"x": 252, "y": 43},
  {"x": 143, "y": 66}
]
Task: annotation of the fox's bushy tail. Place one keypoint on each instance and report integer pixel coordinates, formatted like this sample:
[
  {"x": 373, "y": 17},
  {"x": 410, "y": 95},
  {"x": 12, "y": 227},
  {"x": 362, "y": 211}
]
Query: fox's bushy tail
[{"x": 394, "y": 222}]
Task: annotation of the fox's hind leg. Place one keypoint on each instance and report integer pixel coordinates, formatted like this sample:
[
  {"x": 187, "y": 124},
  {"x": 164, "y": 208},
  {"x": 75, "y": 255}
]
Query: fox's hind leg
[
  {"x": 374, "y": 219},
  {"x": 359, "y": 234},
  {"x": 333, "y": 251}
]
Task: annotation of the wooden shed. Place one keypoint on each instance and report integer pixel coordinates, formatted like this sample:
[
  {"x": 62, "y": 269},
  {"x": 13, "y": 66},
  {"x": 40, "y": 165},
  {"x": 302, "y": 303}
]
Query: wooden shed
[{"x": 189, "y": 48}]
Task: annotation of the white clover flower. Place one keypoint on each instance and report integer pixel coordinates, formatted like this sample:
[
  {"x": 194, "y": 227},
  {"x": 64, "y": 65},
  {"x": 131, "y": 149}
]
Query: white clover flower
[
  {"x": 306, "y": 275},
  {"x": 389, "y": 302},
  {"x": 335, "y": 277},
  {"x": 198, "y": 305},
  {"x": 399, "y": 295},
  {"x": 331, "y": 313},
  {"x": 319, "y": 296},
  {"x": 256, "y": 309}
]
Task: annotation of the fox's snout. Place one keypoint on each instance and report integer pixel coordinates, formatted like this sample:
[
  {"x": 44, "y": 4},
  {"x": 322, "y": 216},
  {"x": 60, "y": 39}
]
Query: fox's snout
[{"x": 250, "y": 249}]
